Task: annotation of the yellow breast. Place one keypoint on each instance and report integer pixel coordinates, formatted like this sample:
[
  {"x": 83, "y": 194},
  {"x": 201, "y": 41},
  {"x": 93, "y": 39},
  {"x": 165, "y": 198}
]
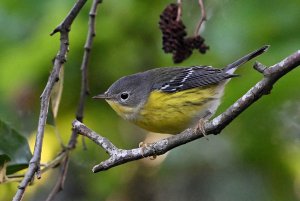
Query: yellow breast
[{"x": 173, "y": 112}]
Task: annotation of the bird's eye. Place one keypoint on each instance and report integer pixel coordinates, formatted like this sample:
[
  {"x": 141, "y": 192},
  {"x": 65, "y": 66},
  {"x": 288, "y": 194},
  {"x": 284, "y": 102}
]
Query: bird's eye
[{"x": 124, "y": 96}]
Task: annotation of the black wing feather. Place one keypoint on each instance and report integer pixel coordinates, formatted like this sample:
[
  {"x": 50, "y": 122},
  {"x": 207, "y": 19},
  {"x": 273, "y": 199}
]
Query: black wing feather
[{"x": 196, "y": 76}]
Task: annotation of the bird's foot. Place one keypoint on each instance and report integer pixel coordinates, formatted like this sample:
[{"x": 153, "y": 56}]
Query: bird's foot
[
  {"x": 143, "y": 146},
  {"x": 201, "y": 127}
]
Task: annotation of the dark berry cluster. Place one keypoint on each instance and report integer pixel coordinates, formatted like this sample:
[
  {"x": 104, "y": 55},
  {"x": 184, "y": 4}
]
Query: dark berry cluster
[
  {"x": 174, "y": 36},
  {"x": 197, "y": 42}
]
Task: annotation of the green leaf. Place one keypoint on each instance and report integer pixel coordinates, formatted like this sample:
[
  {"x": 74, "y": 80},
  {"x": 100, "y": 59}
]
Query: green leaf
[{"x": 13, "y": 148}]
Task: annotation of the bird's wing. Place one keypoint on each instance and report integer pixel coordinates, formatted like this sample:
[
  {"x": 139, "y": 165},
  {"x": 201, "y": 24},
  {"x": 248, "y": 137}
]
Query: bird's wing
[{"x": 179, "y": 79}]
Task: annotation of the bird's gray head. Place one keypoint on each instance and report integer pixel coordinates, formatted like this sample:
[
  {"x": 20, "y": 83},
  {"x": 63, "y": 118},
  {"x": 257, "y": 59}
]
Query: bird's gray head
[{"x": 128, "y": 91}]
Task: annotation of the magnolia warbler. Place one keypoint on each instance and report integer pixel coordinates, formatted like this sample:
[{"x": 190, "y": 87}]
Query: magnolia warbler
[{"x": 171, "y": 99}]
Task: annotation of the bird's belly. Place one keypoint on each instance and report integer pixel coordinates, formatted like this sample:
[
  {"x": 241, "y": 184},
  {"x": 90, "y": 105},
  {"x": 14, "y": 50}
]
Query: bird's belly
[{"x": 174, "y": 112}]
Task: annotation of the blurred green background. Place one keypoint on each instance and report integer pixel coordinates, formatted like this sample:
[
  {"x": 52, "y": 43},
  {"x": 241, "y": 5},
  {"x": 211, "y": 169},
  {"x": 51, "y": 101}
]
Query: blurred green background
[{"x": 255, "y": 158}]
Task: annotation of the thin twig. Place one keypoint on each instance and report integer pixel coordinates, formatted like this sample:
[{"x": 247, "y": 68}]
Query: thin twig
[
  {"x": 44, "y": 167},
  {"x": 83, "y": 94},
  {"x": 179, "y": 10},
  {"x": 215, "y": 126},
  {"x": 15, "y": 176},
  {"x": 34, "y": 164},
  {"x": 202, "y": 18},
  {"x": 259, "y": 67},
  {"x": 84, "y": 65},
  {"x": 65, "y": 25},
  {"x": 61, "y": 179},
  {"x": 108, "y": 146},
  {"x": 55, "y": 162}
]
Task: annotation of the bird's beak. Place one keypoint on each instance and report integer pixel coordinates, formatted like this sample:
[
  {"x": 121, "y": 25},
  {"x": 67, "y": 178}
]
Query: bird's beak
[{"x": 103, "y": 96}]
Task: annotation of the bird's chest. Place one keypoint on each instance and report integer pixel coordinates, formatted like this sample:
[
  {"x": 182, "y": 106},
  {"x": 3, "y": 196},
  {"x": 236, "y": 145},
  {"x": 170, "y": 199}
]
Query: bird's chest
[{"x": 173, "y": 112}]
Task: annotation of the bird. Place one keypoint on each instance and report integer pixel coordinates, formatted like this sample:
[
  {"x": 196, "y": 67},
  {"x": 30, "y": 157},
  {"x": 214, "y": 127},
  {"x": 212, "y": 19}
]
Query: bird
[{"x": 169, "y": 100}]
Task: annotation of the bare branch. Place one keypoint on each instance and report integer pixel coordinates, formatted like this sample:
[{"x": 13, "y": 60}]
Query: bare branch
[
  {"x": 215, "y": 126},
  {"x": 61, "y": 179},
  {"x": 202, "y": 18},
  {"x": 65, "y": 25},
  {"x": 83, "y": 94},
  {"x": 99, "y": 140},
  {"x": 34, "y": 165}
]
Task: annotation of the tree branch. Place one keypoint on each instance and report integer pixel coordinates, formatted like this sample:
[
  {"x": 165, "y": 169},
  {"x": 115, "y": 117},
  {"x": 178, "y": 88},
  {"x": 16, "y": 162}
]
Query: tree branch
[
  {"x": 215, "y": 126},
  {"x": 34, "y": 164},
  {"x": 84, "y": 92},
  {"x": 84, "y": 66}
]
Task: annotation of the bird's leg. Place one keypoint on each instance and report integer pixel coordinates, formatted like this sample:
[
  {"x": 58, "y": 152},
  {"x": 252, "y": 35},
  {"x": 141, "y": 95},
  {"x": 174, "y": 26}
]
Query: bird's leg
[
  {"x": 144, "y": 145},
  {"x": 201, "y": 124}
]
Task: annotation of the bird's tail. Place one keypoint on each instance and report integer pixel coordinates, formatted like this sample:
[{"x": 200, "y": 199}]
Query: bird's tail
[{"x": 231, "y": 67}]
